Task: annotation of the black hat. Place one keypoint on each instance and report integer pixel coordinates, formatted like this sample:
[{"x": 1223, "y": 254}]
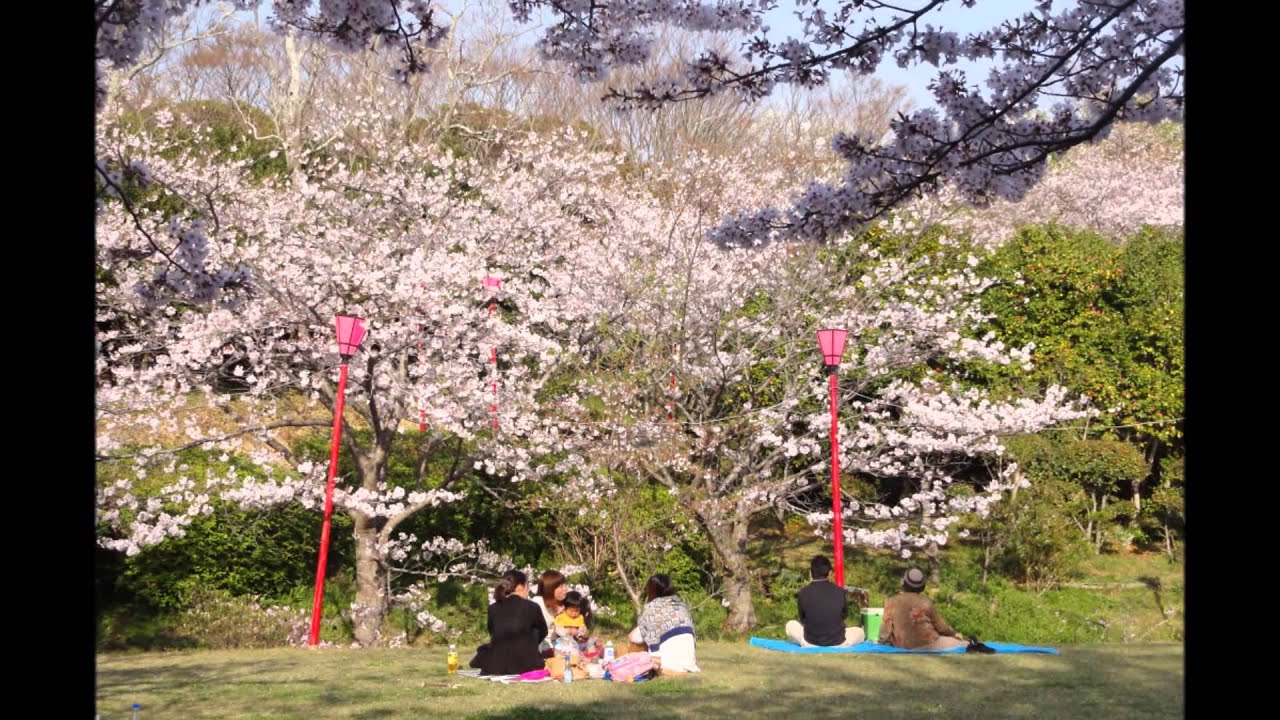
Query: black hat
[{"x": 913, "y": 580}]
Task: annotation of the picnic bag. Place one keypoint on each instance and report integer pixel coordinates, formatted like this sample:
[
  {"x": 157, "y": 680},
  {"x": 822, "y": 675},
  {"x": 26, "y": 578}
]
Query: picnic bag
[
  {"x": 555, "y": 666},
  {"x": 977, "y": 646},
  {"x": 630, "y": 667}
]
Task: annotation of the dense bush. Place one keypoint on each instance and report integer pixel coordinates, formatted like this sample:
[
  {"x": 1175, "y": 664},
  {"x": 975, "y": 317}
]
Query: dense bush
[
  {"x": 1000, "y": 611},
  {"x": 218, "y": 619},
  {"x": 1031, "y": 537},
  {"x": 241, "y": 552}
]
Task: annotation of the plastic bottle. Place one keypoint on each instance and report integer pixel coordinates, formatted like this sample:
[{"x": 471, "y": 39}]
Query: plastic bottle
[
  {"x": 137, "y": 712},
  {"x": 568, "y": 670},
  {"x": 608, "y": 652},
  {"x": 453, "y": 659}
]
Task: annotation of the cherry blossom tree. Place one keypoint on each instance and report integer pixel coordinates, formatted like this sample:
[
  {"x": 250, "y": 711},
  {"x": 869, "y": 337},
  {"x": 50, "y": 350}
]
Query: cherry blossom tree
[
  {"x": 1115, "y": 187},
  {"x": 616, "y": 311},
  {"x": 1099, "y": 62},
  {"x": 625, "y": 299},
  {"x": 735, "y": 329},
  {"x": 126, "y": 28},
  {"x": 403, "y": 241}
]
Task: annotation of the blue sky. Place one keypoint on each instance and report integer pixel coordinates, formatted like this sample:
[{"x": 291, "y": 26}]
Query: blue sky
[
  {"x": 953, "y": 16},
  {"x": 986, "y": 14}
]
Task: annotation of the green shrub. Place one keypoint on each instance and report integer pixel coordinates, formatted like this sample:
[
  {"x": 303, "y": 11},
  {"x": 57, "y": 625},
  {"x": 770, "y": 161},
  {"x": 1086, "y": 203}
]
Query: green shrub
[
  {"x": 123, "y": 629},
  {"x": 216, "y": 619},
  {"x": 1031, "y": 536},
  {"x": 709, "y": 614},
  {"x": 1003, "y": 612},
  {"x": 339, "y": 594},
  {"x": 463, "y": 608},
  {"x": 242, "y": 552},
  {"x": 776, "y": 600}
]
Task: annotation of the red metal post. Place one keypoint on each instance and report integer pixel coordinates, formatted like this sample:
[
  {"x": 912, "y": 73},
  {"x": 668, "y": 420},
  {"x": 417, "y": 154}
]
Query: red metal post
[
  {"x": 835, "y": 490},
  {"x": 318, "y": 602}
]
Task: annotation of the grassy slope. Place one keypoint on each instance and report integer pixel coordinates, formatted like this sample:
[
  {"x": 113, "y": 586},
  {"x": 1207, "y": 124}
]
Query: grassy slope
[
  {"x": 1087, "y": 681},
  {"x": 1119, "y": 598}
]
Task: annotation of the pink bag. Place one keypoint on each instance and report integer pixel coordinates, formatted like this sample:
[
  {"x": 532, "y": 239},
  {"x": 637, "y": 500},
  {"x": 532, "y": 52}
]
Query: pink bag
[{"x": 630, "y": 666}]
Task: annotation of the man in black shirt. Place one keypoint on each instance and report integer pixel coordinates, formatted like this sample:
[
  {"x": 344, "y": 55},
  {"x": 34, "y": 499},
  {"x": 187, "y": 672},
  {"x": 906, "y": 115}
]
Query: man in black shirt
[{"x": 823, "y": 607}]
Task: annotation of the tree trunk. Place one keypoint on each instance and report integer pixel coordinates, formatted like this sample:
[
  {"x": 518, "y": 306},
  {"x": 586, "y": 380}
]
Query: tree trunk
[
  {"x": 1151, "y": 454},
  {"x": 636, "y": 600},
  {"x": 986, "y": 556},
  {"x": 1097, "y": 547},
  {"x": 1093, "y": 511},
  {"x": 373, "y": 572},
  {"x": 729, "y": 542},
  {"x": 292, "y": 132},
  {"x": 372, "y": 579},
  {"x": 935, "y": 563}
]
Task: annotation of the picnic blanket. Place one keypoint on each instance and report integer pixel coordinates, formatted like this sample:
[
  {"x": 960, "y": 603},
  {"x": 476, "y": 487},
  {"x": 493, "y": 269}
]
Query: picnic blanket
[
  {"x": 504, "y": 679},
  {"x": 510, "y": 679},
  {"x": 870, "y": 647}
]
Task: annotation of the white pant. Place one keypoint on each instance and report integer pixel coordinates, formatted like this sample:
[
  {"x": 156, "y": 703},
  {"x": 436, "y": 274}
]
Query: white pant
[
  {"x": 943, "y": 643},
  {"x": 852, "y": 635},
  {"x": 676, "y": 653}
]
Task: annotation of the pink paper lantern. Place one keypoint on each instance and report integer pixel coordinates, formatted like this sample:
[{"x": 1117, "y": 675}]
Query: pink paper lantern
[
  {"x": 831, "y": 342},
  {"x": 350, "y": 333}
]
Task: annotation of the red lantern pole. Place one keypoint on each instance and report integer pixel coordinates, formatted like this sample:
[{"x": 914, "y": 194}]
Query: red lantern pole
[
  {"x": 350, "y": 333},
  {"x": 831, "y": 343},
  {"x": 836, "y": 508},
  {"x": 494, "y": 284}
]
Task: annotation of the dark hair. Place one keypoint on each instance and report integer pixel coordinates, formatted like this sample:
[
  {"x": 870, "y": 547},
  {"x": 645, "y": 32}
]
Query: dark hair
[
  {"x": 819, "y": 567},
  {"x": 548, "y": 582},
  {"x": 511, "y": 580},
  {"x": 659, "y": 585},
  {"x": 575, "y": 599}
]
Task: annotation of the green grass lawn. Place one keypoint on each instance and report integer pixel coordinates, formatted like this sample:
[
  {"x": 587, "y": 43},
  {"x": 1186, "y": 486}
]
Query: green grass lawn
[{"x": 1112, "y": 681}]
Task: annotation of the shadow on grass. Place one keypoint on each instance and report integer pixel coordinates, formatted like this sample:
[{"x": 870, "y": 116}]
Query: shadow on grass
[
  {"x": 739, "y": 681},
  {"x": 1085, "y": 684},
  {"x": 568, "y": 713},
  {"x": 179, "y": 678}
]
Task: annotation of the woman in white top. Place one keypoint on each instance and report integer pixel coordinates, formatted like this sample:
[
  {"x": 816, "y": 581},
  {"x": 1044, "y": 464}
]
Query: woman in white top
[
  {"x": 665, "y": 627},
  {"x": 551, "y": 590}
]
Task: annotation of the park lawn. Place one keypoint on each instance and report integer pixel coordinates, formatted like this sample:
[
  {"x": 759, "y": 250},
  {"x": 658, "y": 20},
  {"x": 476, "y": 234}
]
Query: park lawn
[{"x": 1088, "y": 682}]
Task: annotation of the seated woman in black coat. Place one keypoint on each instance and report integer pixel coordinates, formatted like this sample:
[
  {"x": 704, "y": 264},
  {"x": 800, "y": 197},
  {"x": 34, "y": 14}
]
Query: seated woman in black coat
[{"x": 516, "y": 626}]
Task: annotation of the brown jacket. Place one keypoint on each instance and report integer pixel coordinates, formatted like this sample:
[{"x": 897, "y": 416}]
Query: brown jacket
[{"x": 910, "y": 621}]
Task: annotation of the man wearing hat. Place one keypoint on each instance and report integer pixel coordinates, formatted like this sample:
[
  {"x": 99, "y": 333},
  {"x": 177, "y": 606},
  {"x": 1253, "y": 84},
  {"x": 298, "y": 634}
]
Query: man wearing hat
[{"x": 912, "y": 623}]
